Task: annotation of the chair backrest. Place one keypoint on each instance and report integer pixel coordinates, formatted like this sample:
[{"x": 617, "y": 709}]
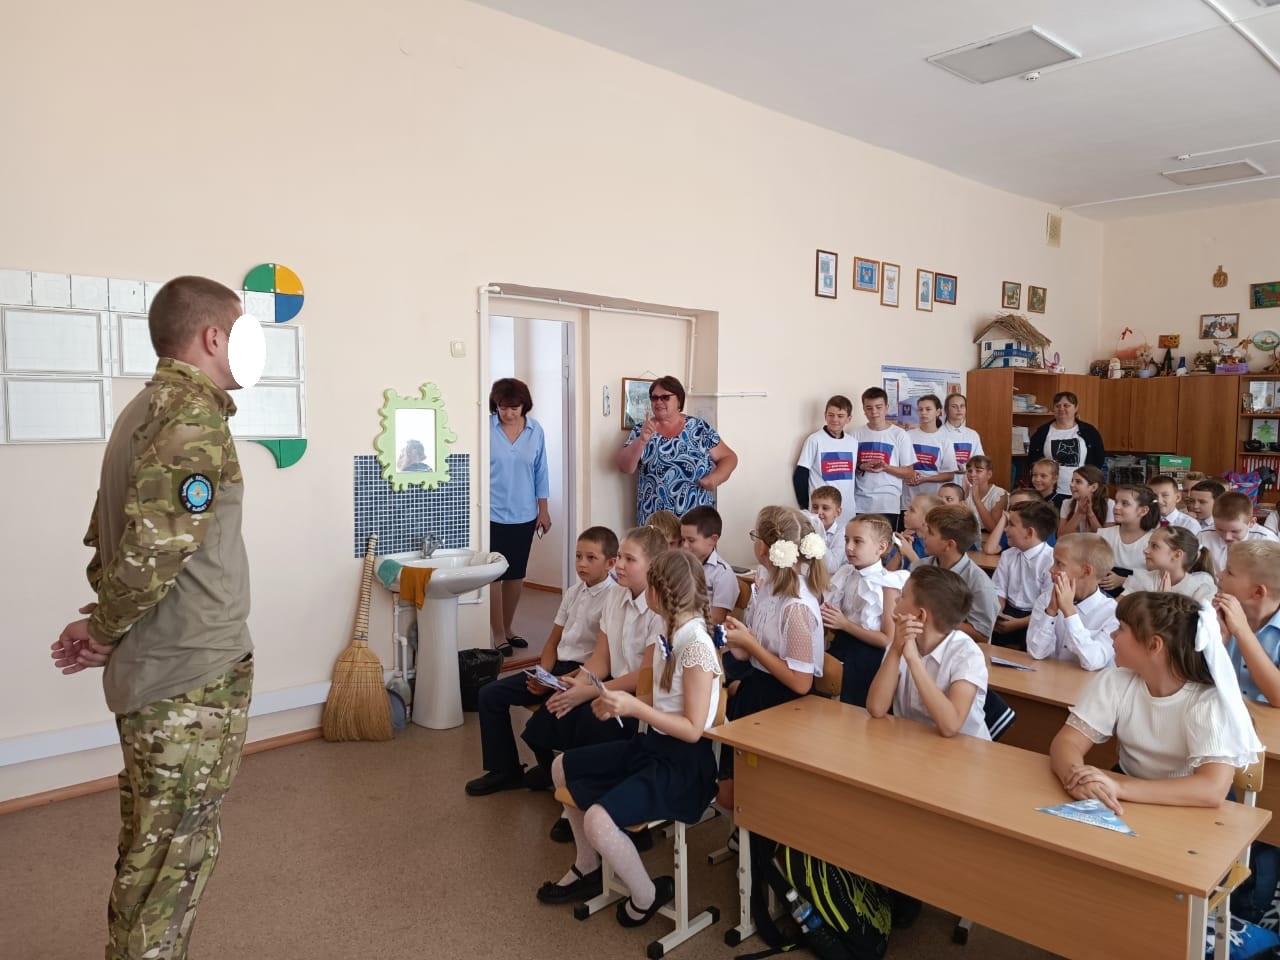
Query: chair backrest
[
  {"x": 832, "y": 679},
  {"x": 1248, "y": 783},
  {"x": 744, "y": 597},
  {"x": 1000, "y": 716}
]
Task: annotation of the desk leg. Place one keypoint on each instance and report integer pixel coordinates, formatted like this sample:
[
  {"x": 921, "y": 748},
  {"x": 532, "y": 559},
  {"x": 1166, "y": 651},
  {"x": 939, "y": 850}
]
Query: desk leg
[
  {"x": 1196, "y": 927},
  {"x": 745, "y": 928}
]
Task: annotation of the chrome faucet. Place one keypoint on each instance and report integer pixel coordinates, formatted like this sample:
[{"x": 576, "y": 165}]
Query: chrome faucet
[{"x": 430, "y": 544}]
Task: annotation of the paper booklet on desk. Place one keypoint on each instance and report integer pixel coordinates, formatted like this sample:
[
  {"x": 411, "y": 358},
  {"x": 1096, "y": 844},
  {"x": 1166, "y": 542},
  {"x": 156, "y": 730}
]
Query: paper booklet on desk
[
  {"x": 1092, "y": 812},
  {"x": 1001, "y": 662}
]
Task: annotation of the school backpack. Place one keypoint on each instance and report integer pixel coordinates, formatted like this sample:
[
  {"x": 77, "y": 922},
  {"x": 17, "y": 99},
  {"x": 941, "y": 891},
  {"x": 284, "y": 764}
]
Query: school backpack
[{"x": 853, "y": 908}]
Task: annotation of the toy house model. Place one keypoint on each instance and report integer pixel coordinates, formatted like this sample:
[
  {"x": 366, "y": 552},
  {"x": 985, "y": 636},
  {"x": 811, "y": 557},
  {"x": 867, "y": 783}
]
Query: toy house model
[{"x": 1010, "y": 341}]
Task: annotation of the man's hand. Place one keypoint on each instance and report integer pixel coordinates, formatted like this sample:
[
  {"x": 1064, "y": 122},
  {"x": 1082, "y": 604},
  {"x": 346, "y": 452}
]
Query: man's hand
[{"x": 75, "y": 650}]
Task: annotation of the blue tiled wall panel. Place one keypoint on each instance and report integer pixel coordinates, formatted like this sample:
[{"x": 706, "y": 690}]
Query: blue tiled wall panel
[{"x": 402, "y": 519}]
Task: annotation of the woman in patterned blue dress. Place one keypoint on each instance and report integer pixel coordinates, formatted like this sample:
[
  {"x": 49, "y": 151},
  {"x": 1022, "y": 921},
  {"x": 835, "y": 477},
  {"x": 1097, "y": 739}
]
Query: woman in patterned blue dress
[{"x": 681, "y": 460}]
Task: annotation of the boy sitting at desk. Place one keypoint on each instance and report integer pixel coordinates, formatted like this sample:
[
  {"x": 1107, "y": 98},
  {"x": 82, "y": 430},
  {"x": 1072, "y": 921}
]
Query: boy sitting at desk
[
  {"x": 1074, "y": 619},
  {"x": 950, "y": 531},
  {"x": 700, "y": 531},
  {"x": 1232, "y": 522},
  {"x": 1023, "y": 572},
  {"x": 1248, "y": 605},
  {"x": 932, "y": 672}
]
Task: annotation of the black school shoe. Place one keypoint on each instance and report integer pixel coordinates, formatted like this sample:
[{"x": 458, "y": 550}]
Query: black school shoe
[
  {"x": 561, "y": 832},
  {"x": 586, "y": 886},
  {"x": 664, "y": 891},
  {"x": 494, "y": 781}
]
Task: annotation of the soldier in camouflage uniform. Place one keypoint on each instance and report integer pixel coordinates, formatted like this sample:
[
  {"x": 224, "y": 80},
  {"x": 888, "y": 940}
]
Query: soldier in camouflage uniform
[{"x": 172, "y": 583}]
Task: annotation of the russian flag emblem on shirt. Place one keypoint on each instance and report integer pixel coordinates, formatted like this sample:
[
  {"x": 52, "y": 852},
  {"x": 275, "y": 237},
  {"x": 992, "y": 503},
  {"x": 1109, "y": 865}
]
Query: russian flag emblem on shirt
[
  {"x": 837, "y": 466},
  {"x": 927, "y": 458},
  {"x": 874, "y": 451},
  {"x": 963, "y": 452}
]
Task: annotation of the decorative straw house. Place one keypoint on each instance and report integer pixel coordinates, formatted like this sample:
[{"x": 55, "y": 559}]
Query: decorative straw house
[{"x": 1010, "y": 341}]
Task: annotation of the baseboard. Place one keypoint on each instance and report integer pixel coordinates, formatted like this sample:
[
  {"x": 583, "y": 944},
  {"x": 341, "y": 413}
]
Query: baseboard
[
  {"x": 109, "y": 783},
  {"x": 530, "y": 585}
]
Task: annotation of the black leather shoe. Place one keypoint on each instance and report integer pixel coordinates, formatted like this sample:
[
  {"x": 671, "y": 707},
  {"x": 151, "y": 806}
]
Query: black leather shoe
[
  {"x": 537, "y": 778},
  {"x": 587, "y": 885},
  {"x": 643, "y": 839},
  {"x": 561, "y": 832},
  {"x": 494, "y": 781}
]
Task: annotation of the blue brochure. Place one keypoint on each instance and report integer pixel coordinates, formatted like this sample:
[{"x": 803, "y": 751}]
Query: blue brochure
[{"x": 1092, "y": 812}]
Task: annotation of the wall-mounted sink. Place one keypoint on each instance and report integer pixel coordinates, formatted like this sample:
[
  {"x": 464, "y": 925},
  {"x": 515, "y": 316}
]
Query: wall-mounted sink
[{"x": 437, "y": 701}]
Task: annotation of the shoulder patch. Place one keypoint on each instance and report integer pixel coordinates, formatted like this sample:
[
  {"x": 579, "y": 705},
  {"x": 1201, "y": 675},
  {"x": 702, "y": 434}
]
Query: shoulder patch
[{"x": 196, "y": 493}]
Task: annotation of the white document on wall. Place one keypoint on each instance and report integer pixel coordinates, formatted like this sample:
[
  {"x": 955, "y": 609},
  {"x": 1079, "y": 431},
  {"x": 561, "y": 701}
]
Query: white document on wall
[
  {"x": 54, "y": 341},
  {"x": 56, "y": 410},
  {"x": 268, "y": 411}
]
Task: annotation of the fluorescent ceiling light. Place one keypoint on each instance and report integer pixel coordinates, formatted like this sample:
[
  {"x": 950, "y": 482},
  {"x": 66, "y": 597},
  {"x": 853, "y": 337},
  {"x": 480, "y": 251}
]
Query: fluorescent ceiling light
[
  {"x": 1267, "y": 3},
  {"x": 1011, "y": 55},
  {"x": 1215, "y": 173}
]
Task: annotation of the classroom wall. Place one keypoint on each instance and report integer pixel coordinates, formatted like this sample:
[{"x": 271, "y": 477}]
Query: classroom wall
[
  {"x": 398, "y": 155},
  {"x": 1157, "y": 274}
]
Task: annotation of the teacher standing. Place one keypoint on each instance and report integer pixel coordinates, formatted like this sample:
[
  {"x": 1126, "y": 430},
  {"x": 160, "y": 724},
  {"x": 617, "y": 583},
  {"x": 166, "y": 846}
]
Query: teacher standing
[
  {"x": 518, "y": 493},
  {"x": 1067, "y": 440},
  {"x": 681, "y": 460}
]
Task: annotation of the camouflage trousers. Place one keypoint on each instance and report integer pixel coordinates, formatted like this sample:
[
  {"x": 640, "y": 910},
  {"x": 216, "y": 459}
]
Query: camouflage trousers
[{"x": 180, "y": 756}]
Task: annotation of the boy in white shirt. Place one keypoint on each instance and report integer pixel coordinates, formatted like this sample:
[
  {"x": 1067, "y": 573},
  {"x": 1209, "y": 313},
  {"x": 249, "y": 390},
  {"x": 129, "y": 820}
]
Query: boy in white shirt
[
  {"x": 933, "y": 673},
  {"x": 1166, "y": 490},
  {"x": 1022, "y": 574},
  {"x": 700, "y": 531},
  {"x": 1199, "y": 501},
  {"x": 950, "y": 532},
  {"x": 885, "y": 458},
  {"x": 1074, "y": 619},
  {"x": 1232, "y": 522},
  {"x": 827, "y": 458},
  {"x": 825, "y": 503},
  {"x": 572, "y": 638}
]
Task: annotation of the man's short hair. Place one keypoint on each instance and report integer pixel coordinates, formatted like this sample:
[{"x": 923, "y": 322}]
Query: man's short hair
[
  {"x": 184, "y": 307},
  {"x": 705, "y": 519},
  {"x": 874, "y": 393},
  {"x": 954, "y": 522}
]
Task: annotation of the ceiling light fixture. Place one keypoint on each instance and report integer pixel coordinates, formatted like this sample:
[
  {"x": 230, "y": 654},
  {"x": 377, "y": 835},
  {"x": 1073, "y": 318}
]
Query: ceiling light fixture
[
  {"x": 1017, "y": 54},
  {"x": 1214, "y": 173}
]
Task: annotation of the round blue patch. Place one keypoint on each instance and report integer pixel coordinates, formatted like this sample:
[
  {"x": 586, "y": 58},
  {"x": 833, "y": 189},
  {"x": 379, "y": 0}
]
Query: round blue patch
[{"x": 196, "y": 493}]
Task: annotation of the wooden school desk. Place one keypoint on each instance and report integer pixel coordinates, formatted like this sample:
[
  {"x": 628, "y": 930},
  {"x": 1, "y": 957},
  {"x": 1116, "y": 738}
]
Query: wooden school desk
[
  {"x": 954, "y": 823},
  {"x": 1266, "y": 720},
  {"x": 987, "y": 561}
]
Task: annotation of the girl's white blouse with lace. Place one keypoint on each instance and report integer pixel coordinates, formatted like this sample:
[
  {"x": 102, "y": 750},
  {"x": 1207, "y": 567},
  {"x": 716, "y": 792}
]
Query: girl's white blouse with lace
[
  {"x": 690, "y": 647},
  {"x": 788, "y": 627}
]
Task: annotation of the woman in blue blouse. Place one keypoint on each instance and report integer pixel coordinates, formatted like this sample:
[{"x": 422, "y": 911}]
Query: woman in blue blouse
[
  {"x": 519, "y": 490},
  {"x": 681, "y": 460}
]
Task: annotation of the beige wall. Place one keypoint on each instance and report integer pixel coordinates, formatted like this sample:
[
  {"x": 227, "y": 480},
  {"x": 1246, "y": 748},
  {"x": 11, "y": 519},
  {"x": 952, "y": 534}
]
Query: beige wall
[
  {"x": 1158, "y": 274},
  {"x": 397, "y": 155}
]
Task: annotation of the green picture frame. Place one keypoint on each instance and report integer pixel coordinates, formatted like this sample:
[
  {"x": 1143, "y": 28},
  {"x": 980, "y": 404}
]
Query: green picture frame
[
  {"x": 1264, "y": 295},
  {"x": 413, "y": 447}
]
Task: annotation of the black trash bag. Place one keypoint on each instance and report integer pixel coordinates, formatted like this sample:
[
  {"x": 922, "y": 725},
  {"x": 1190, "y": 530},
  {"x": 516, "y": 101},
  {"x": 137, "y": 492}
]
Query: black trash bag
[{"x": 476, "y": 668}]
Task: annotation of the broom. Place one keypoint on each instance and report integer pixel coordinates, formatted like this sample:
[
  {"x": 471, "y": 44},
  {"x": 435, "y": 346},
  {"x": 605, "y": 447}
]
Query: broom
[{"x": 357, "y": 707}]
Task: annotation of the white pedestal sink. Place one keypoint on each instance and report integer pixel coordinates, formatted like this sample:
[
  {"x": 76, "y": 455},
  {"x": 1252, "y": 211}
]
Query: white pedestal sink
[{"x": 437, "y": 700}]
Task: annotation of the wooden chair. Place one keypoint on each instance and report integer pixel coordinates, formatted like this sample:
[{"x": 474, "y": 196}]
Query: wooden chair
[
  {"x": 744, "y": 597},
  {"x": 1247, "y": 783},
  {"x": 832, "y": 679},
  {"x": 614, "y": 889}
]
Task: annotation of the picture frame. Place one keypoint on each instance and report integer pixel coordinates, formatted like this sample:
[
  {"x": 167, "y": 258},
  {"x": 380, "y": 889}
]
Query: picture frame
[
  {"x": 1265, "y": 430},
  {"x": 826, "y": 275},
  {"x": 924, "y": 290},
  {"x": 1264, "y": 295},
  {"x": 1011, "y": 295},
  {"x": 866, "y": 275},
  {"x": 635, "y": 401},
  {"x": 890, "y": 283},
  {"x": 944, "y": 288},
  {"x": 1036, "y": 299},
  {"x": 1219, "y": 326}
]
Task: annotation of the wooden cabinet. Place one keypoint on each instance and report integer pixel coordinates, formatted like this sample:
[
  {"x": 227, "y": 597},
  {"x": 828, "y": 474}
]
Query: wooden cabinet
[
  {"x": 1258, "y": 421},
  {"x": 1207, "y": 409},
  {"x": 1139, "y": 416}
]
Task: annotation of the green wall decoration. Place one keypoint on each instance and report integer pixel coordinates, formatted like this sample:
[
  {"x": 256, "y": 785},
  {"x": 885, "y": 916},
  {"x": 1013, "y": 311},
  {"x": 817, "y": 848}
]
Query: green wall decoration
[
  {"x": 286, "y": 452},
  {"x": 413, "y": 447}
]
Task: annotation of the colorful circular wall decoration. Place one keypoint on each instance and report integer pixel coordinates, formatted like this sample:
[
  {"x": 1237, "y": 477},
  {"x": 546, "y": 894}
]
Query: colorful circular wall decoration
[{"x": 277, "y": 279}]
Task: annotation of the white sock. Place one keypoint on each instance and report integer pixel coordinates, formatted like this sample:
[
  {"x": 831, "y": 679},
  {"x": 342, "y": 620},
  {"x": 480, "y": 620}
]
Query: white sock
[{"x": 613, "y": 843}]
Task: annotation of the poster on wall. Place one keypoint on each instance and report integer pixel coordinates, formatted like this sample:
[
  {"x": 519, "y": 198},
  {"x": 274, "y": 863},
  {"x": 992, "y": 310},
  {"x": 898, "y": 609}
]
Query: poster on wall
[{"x": 905, "y": 384}]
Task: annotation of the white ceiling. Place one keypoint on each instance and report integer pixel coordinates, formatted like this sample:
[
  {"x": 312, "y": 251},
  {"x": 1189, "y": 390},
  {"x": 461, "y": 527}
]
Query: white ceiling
[{"x": 1157, "y": 78}]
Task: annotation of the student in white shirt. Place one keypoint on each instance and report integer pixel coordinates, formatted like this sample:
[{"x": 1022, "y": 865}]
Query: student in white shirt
[
  {"x": 572, "y": 638},
  {"x": 932, "y": 672},
  {"x": 1022, "y": 573},
  {"x": 827, "y": 458},
  {"x": 826, "y": 504},
  {"x": 860, "y": 605},
  {"x": 1232, "y": 522},
  {"x": 700, "y": 531},
  {"x": 935, "y": 462},
  {"x": 1199, "y": 500},
  {"x": 1173, "y": 705},
  {"x": 1088, "y": 509},
  {"x": 885, "y": 459},
  {"x": 1074, "y": 619},
  {"x": 986, "y": 500},
  {"x": 1136, "y": 516},
  {"x": 965, "y": 442},
  {"x": 950, "y": 531},
  {"x": 1166, "y": 490},
  {"x": 1175, "y": 562}
]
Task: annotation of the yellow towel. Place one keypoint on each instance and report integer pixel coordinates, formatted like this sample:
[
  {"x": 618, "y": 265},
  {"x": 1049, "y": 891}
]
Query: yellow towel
[{"x": 413, "y": 584}]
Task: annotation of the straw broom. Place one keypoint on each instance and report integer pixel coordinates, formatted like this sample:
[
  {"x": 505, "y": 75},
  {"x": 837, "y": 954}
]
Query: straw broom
[{"x": 357, "y": 706}]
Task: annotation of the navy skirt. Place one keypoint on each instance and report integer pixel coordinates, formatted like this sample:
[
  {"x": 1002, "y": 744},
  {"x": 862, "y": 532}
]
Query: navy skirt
[
  {"x": 757, "y": 691},
  {"x": 650, "y": 777},
  {"x": 577, "y": 728},
  {"x": 514, "y": 541},
  {"x": 861, "y": 663}
]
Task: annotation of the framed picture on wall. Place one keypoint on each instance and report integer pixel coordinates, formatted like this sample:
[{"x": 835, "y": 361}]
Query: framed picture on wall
[
  {"x": 1011, "y": 295},
  {"x": 635, "y": 401},
  {"x": 866, "y": 275},
  {"x": 924, "y": 290},
  {"x": 890, "y": 277},
  {"x": 1263, "y": 295},
  {"x": 944, "y": 288},
  {"x": 1219, "y": 326},
  {"x": 1036, "y": 297},
  {"x": 824, "y": 275}
]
